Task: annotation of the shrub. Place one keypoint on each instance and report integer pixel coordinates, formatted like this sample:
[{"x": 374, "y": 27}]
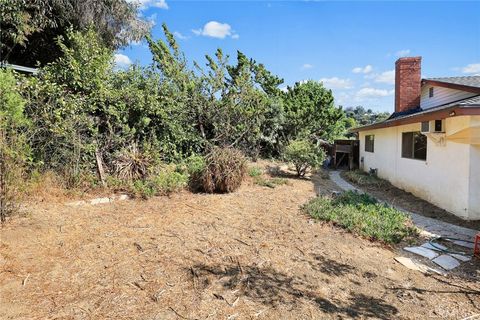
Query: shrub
[
  {"x": 13, "y": 147},
  {"x": 364, "y": 179},
  {"x": 224, "y": 170},
  {"x": 131, "y": 164},
  {"x": 164, "y": 182},
  {"x": 363, "y": 215},
  {"x": 193, "y": 167},
  {"x": 304, "y": 155},
  {"x": 255, "y": 171},
  {"x": 271, "y": 183}
]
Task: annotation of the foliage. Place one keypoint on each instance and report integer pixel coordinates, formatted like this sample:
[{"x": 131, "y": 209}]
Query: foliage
[
  {"x": 304, "y": 155},
  {"x": 363, "y": 215},
  {"x": 13, "y": 148},
  {"x": 255, "y": 171},
  {"x": 270, "y": 182},
  {"x": 310, "y": 113},
  {"x": 166, "y": 181},
  {"x": 132, "y": 164},
  {"x": 364, "y": 179},
  {"x": 87, "y": 116},
  {"x": 224, "y": 171},
  {"x": 363, "y": 117},
  {"x": 29, "y": 28}
]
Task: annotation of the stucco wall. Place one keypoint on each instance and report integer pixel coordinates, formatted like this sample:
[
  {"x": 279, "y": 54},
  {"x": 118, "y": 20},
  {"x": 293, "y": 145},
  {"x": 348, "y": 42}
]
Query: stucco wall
[{"x": 444, "y": 179}]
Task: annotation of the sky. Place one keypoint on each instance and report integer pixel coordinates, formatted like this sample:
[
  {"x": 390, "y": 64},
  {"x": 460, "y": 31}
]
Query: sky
[{"x": 349, "y": 46}]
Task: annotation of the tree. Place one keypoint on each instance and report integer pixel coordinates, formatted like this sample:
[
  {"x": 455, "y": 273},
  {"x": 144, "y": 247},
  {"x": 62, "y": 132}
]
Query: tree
[
  {"x": 364, "y": 117},
  {"x": 13, "y": 149},
  {"x": 310, "y": 113},
  {"x": 29, "y": 28}
]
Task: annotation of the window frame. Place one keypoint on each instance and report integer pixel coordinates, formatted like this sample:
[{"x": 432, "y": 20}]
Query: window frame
[
  {"x": 431, "y": 92},
  {"x": 411, "y": 143},
  {"x": 369, "y": 138}
]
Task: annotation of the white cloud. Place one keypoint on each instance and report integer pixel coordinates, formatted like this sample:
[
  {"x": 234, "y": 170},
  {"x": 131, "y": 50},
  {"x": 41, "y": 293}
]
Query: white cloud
[
  {"x": 179, "y": 35},
  {"x": 336, "y": 83},
  {"x": 216, "y": 29},
  {"x": 307, "y": 66},
  {"x": 369, "y": 93},
  {"x": 472, "y": 68},
  {"x": 122, "y": 61},
  {"x": 387, "y": 77},
  {"x": 145, "y": 4},
  {"x": 402, "y": 53},
  {"x": 367, "y": 69}
]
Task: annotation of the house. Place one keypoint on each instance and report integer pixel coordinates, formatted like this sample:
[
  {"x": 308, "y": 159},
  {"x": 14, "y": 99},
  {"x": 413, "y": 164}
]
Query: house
[{"x": 430, "y": 145}]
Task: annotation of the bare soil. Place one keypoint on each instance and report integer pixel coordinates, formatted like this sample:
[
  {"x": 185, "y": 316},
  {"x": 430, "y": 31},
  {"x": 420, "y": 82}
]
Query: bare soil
[
  {"x": 251, "y": 254},
  {"x": 408, "y": 201}
]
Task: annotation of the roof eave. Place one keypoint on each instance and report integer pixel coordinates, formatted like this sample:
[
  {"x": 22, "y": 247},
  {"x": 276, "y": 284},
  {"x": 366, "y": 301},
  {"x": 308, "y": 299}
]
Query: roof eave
[
  {"x": 458, "y": 110},
  {"x": 450, "y": 85}
]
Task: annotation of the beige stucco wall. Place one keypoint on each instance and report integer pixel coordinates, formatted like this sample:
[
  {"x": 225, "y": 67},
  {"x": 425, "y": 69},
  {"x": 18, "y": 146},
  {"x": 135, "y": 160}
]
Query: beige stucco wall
[{"x": 449, "y": 178}]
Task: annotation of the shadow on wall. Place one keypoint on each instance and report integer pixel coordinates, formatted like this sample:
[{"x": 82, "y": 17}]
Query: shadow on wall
[{"x": 271, "y": 288}]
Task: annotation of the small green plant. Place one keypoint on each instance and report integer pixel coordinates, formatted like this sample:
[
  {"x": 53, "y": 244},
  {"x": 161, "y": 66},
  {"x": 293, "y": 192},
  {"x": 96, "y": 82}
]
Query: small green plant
[
  {"x": 270, "y": 182},
  {"x": 255, "y": 171},
  {"x": 164, "y": 182},
  {"x": 364, "y": 179},
  {"x": 304, "y": 155},
  {"x": 363, "y": 215}
]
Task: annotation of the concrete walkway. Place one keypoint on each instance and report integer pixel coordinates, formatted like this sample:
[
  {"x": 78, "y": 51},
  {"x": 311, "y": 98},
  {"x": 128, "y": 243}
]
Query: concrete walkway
[{"x": 429, "y": 226}]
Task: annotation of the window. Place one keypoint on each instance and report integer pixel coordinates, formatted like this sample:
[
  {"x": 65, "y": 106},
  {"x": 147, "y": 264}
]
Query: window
[
  {"x": 438, "y": 125},
  {"x": 430, "y": 92},
  {"x": 369, "y": 143},
  {"x": 425, "y": 126},
  {"x": 414, "y": 145}
]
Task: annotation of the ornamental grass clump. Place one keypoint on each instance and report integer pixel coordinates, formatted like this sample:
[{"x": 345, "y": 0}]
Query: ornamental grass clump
[
  {"x": 224, "y": 170},
  {"x": 363, "y": 215}
]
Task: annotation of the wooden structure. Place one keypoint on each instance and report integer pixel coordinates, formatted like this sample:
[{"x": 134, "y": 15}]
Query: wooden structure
[{"x": 346, "y": 149}]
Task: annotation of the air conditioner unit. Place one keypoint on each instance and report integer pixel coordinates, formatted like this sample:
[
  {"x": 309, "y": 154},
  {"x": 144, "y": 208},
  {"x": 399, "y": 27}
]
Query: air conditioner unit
[{"x": 437, "y": 126}]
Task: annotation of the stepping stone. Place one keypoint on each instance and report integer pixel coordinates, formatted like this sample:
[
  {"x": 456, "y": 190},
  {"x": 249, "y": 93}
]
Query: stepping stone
[
  {"x": 464, "y": 244},
  {"x": 461, "y": 257},
  {"x": 435, "y": 246},
  {"x": 446, "y": 261},
  {"x": 417, "y": 266},
  {"x": 424, "y": 252}
]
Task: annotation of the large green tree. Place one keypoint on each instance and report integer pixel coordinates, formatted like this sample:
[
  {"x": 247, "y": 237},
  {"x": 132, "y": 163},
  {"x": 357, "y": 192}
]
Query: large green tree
[
  {"x": 29, "y": 28},
  {"x": 310, "y": 113}
]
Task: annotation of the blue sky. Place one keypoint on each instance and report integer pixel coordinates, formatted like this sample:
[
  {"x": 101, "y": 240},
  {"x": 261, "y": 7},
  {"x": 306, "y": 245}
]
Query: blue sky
[{"x": 350, "y": 46}]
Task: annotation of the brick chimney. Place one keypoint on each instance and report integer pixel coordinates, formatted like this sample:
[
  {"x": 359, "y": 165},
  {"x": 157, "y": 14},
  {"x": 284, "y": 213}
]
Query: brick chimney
[{"x": 408, "y": 77}]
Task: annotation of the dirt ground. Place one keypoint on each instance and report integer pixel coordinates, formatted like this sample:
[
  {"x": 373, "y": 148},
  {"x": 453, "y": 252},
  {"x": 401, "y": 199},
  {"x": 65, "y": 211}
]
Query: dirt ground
[
  {"x": 408, "y": 201},
  {"x": 247, "y": 255}
]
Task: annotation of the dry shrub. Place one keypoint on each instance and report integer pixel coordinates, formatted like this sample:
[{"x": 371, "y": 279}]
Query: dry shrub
[
  {"x": 132, "y": 164},
  {"x": 224, "y": 171}
]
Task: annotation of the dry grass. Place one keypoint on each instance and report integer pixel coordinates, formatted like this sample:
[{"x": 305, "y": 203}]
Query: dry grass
[
  {"x": 224, "y": 171},
  {"x": 245, "y": 255}
]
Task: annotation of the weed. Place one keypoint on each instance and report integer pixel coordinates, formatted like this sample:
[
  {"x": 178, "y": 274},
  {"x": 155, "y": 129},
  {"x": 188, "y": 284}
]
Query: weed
[
  {"x": 255, "y": 171},
  {"x": 362, "y": 214},
  {"x": 270, "y": 182},
  {"x": 364, "y": 179}
]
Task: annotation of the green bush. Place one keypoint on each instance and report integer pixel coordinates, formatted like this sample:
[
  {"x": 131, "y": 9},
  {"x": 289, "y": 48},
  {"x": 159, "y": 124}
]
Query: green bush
[
  {"x": 13, "y": 148},
  {"x": 364, "y": 179},
  {"x": 224, "y": 170},
  {"x": 304, "y": 155},
  {"x": 164, "y": 182},
  {"x": 255, "y": 171},
  {"x": 363, "y": 215}
]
